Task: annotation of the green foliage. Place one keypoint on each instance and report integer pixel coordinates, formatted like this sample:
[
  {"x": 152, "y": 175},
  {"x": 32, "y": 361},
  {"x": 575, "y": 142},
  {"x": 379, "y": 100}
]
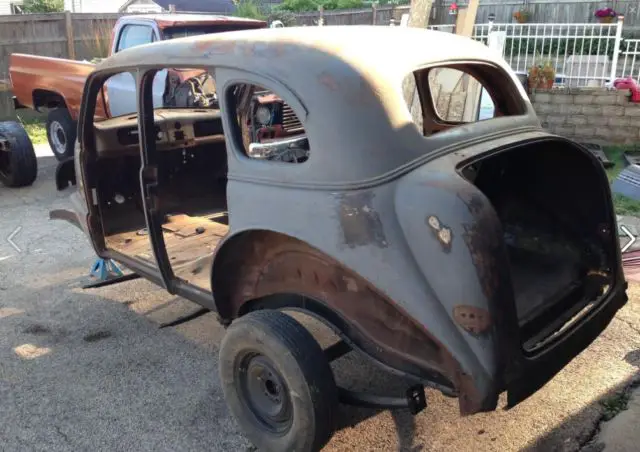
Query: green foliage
[
  {"x": 553, "y": 47},
  {"x": 43, "y": 6},
  {"x": 251, "y": 9},
  {"x": 313, "y": 5},
  {"x": 298, "y": 5},
  {"x": 36, "y": 130},
  {"x": 286, "y": 17},
  {"x": 388, "y": 2}
]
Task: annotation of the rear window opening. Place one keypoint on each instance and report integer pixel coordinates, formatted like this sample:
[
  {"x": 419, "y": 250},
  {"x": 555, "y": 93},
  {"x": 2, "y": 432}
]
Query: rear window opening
[
  {"x": 552, "y": 201},
  {"x": 442, "y": 97}
]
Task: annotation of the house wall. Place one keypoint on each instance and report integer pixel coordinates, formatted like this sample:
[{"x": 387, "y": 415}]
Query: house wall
[
  {"x": 5, "y": 6},
  {"x": 93, "y": 6},
  {"x": 595, "y": 115}
]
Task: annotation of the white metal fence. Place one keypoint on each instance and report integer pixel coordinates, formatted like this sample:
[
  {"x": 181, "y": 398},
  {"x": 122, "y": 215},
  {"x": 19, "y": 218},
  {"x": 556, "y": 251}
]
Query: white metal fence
[
  {"x": 630, "y": 59},
  {"x": 582, "y": 54}
]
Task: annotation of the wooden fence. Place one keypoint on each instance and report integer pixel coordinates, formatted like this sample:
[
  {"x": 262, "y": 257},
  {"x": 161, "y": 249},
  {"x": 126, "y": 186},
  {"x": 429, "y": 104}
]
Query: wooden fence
[
  {"x": 74, "y": 36},
  {"x": 542, "y": 11}
]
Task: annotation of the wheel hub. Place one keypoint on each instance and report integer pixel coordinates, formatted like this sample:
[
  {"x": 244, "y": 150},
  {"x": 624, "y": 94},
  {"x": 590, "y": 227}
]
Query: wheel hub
[
  {"x": 58, "y": 137},
  {"x": 265, "y": 393}
]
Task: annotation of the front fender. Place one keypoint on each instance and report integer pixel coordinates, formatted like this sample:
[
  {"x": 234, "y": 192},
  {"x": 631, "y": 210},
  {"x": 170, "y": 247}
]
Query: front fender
[{"x": 456, "y": 240}]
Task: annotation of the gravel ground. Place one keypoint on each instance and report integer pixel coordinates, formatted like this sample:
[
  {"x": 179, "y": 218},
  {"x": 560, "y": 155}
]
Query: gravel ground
[{"x": 90, "y": 369}]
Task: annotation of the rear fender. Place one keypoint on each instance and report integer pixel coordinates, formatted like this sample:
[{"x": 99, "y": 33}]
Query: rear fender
[
  {"x": 259, "y": 269},
  {"x": 456, "y": 239}
]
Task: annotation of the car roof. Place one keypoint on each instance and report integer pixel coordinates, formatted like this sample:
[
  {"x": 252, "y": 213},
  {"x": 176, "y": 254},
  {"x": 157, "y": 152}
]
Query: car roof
[
  {"x": 175, "y": 20},
  {"x": 387, "y": 49},
  {"x": 348, "y": 80}
]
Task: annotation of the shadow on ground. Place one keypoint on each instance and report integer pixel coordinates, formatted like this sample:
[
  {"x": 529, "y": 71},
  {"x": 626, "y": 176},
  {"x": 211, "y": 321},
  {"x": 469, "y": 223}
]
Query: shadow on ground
[{"x": 587, "y": 421}]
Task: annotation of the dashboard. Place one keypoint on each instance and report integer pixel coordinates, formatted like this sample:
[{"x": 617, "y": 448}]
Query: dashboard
[{"x": 175, "y": 129}]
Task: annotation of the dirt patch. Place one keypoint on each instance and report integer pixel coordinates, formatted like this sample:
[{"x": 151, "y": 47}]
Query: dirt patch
[
  {"x": 97, "y": 336},
  {"x": 36, "y": 329}
]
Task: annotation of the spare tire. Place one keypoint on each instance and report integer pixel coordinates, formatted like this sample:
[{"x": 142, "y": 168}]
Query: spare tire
[
  {"x": 61, "y": 133},
  {"x": 18, "y": 163}
]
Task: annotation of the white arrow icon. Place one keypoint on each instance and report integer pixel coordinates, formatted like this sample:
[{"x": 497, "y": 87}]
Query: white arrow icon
[
  {"x": 632, "y": 238},
  {"x": 12, "y": 236}
]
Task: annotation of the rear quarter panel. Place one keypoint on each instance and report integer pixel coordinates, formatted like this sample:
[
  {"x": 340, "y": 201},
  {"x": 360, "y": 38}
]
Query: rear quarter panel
[{"x": 360, "y": 230}]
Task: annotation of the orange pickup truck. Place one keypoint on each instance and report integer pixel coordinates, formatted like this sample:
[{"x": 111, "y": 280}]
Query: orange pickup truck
[{"x": 57, "y": 84}]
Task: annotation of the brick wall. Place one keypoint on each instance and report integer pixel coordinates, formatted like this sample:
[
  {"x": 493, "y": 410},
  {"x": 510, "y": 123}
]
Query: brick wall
[{"x": 589, "y": 114}]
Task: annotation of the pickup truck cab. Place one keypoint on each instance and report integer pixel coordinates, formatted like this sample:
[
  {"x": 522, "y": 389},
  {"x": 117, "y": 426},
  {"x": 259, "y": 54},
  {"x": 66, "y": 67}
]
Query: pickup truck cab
[{"x": 57, "y": 84}]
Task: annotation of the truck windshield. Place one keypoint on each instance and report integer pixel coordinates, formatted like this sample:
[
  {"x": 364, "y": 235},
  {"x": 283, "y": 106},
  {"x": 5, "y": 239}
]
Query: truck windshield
[{"x": 196, "y": 30}]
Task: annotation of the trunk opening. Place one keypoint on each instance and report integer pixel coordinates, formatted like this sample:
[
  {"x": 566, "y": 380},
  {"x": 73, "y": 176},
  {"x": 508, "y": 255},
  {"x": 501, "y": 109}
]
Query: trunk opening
[{"x": 552, "y": 201}]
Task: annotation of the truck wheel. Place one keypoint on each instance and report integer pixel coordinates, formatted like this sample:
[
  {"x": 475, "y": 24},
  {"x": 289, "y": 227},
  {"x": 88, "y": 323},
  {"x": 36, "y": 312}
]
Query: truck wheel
[
  {"x": 277, "y": 383},
  {"x": 18, "y": 163},
  {"x": 61, "y": 133}
]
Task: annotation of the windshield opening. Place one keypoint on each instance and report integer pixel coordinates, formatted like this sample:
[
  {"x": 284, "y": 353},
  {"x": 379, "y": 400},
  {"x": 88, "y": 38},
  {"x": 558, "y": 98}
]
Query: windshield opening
[{"x": 197, "y": 30}]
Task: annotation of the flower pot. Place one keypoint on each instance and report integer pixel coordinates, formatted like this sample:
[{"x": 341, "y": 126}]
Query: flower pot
[
  {"x": 606, "y": 19},
  {"x": 548, "y": 84}
]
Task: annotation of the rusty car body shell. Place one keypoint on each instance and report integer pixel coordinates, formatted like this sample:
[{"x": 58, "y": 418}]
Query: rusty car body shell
[{"x": 377, "y": 231}]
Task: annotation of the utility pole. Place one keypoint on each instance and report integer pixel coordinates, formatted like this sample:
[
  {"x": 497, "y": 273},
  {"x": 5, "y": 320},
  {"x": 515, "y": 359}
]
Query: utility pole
[
  {"x": 419, "y": 18},
  {"x": 419, "y": 13}
]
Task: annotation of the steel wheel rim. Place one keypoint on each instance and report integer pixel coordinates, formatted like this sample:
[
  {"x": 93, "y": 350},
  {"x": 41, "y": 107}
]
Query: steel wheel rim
[
  {"x": 58, "y": 137},
  {"x": 264, "y": 393}
]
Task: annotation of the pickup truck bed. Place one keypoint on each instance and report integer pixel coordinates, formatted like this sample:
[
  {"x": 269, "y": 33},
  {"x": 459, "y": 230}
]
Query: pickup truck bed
[{"x": 43, "y": 82}]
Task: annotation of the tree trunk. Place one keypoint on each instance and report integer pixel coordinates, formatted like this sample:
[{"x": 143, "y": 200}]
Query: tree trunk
[{"x": 419, "y": 18}]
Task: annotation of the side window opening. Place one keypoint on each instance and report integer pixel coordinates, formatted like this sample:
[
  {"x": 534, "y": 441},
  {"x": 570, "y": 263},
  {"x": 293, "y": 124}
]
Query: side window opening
[
  {"x": 266, "y": 126},
  {"x": 135, "y": 35}
]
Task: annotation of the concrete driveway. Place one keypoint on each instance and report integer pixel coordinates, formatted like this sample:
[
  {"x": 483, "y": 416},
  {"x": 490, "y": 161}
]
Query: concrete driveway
[{"x": 91, "y": 370}]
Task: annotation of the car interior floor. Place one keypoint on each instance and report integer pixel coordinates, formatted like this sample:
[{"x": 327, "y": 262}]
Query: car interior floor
[{"x": 191, "y": 198}]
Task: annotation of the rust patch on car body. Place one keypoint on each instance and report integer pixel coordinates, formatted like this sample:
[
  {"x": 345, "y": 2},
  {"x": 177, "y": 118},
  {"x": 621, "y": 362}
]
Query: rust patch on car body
[
  {"x": 327, "y": 80},
  {"x": 484, "y": 249},
  {"x": 209, "y": 48},
  {"x": 441, "y": 232},
  {"x": 475, "y": 321},
  {"x": 359, "y": 221}
]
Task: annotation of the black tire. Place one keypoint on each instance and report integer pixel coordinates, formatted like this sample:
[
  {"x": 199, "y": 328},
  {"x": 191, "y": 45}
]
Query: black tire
[
  {"x": 265, "y": 357},
  {"x": 18, "y": 165},
  {"x": 61, "y": 133}
]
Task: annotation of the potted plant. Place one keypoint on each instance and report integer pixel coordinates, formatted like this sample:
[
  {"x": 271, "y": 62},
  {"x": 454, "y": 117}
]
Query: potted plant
[
  {"x": 522, "y": 16},
  {"x": 541, "y": 75},
  {"x": 605, "y": 15},
  {"x": 548, "y": 74},
  {"x": 534, "y": 76}
]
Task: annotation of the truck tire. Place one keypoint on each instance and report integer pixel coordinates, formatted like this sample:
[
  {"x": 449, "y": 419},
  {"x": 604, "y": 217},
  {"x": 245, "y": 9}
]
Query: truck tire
[
  {"x": 278, "y": 383},
  {"x": 61, "y": 133},
  {"x": 18, "y": 163}
]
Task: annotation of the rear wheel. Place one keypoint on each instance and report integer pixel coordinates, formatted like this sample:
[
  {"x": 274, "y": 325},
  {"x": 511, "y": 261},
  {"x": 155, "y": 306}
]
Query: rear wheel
[
  {"x": 61, "y": 133},
  {"x": 18, "y": 163},
  {"x": 278, "y": 383}
]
